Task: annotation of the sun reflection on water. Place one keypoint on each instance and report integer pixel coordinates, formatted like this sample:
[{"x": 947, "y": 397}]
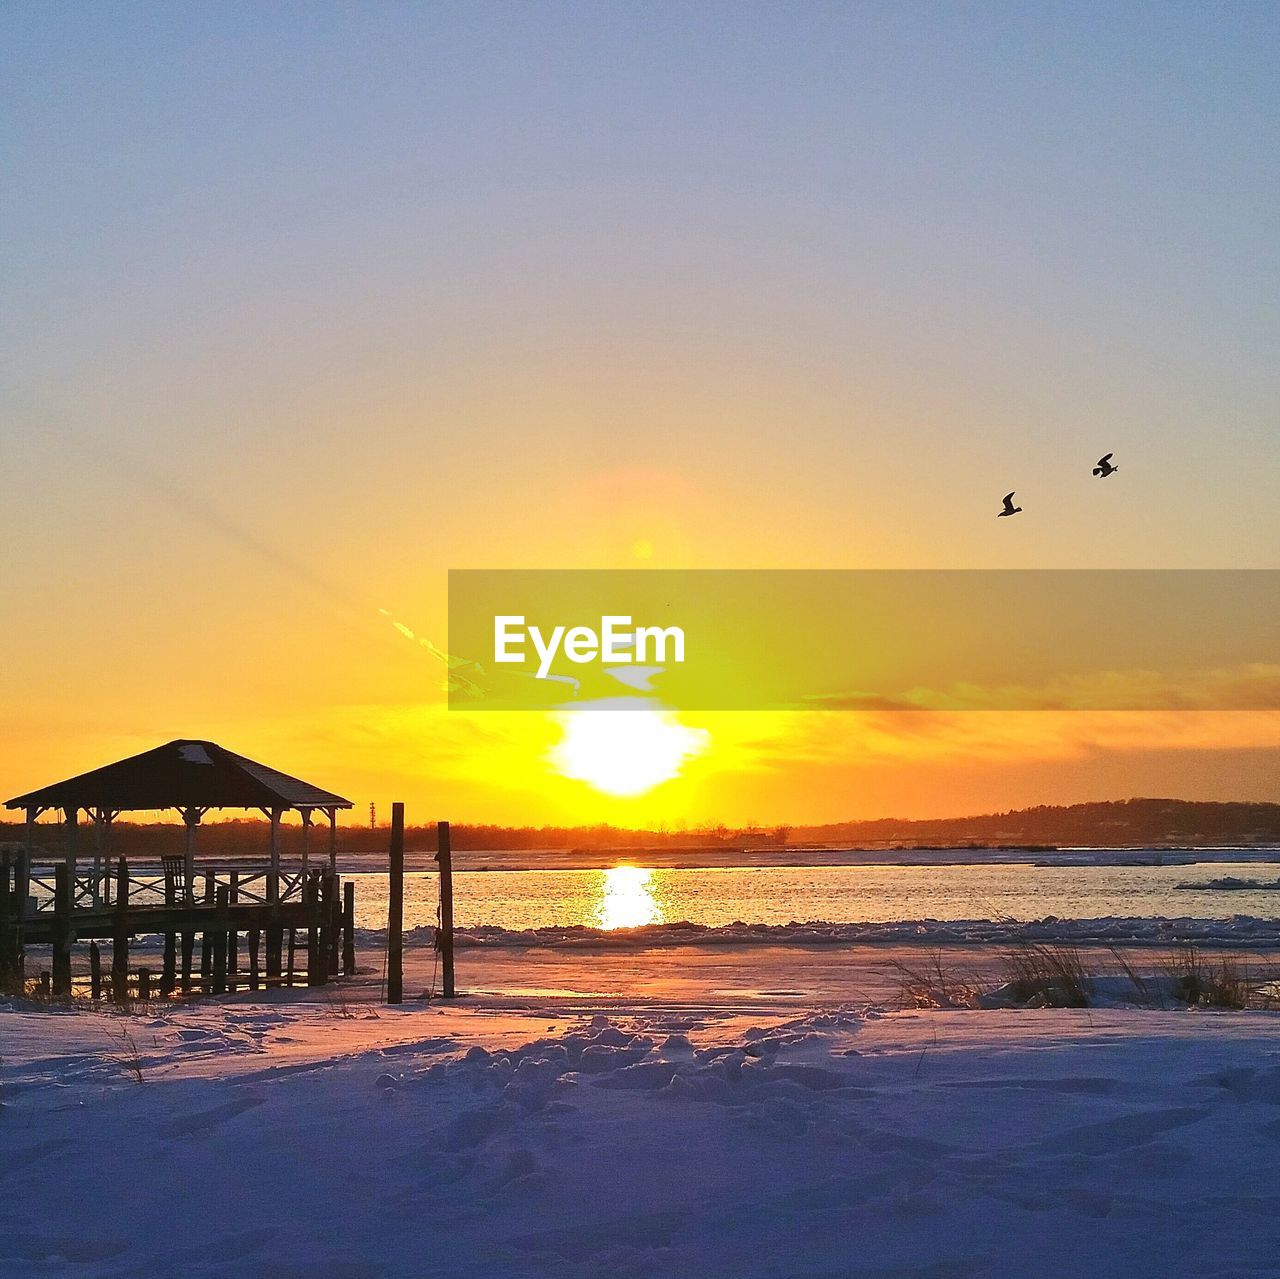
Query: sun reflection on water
[{"x": 627, "y": 899}]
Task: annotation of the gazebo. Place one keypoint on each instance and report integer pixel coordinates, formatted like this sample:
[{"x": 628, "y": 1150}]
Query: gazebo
[
  {"x": 192, "y": 777},
  {"x": 188, "y": 775}
]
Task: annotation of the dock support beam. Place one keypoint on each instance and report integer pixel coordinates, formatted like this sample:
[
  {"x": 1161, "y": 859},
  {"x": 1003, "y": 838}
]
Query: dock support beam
[
  {"x": 120, "y": 939},
  {"x": 63, "y": 892},
  {"x": 395, "y": 909},
  {"x": 444, "y": 938}
]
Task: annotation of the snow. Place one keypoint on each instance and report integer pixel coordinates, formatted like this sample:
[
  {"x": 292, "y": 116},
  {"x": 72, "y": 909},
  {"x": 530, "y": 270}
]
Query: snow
[
  {"x": 317, "y": 1135},
  {"x": 1236, "y": 931}
]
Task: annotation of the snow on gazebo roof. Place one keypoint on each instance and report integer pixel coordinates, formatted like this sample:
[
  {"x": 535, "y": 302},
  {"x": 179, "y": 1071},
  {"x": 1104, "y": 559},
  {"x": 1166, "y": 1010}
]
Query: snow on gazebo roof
[{"x": 182, "y": 774}]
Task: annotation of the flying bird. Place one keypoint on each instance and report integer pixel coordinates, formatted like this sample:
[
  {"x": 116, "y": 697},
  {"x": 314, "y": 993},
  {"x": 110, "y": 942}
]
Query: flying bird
[
  {"x": 1009, "y": 508},
  {"x": 1104, "y": 467}
]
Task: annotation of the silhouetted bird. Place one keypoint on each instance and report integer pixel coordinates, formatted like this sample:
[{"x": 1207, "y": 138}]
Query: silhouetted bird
[
  {"x": 1009, "y": 508},
  {"x": 1104, "y": 467}
]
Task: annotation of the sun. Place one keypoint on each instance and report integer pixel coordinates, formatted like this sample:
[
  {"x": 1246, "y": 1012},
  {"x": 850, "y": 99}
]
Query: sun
[{"x": 625, "y": 752}]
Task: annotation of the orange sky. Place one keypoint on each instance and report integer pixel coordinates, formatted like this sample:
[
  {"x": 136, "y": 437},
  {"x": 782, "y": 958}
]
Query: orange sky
[{"x": 295, "y": 331}]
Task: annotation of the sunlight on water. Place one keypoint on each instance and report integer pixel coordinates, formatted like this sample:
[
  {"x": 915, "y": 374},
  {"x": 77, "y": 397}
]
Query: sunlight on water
[{"x": 626, "y": 898}]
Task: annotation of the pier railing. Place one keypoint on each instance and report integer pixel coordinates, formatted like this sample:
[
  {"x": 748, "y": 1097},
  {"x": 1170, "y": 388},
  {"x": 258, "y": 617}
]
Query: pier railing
[
  {"x": 221, "y": 906},
  {"x": 97, "y": 889}
]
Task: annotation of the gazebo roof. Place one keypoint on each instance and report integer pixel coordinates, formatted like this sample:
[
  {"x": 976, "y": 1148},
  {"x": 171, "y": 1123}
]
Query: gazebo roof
[{"x": 182, "y": 774}]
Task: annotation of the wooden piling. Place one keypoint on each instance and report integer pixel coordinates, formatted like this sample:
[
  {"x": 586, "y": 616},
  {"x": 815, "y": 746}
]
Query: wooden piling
[
  {"x": 169, "y": 970},
  {"x": 233, "y": 942},
  {"x": 275, "y": 942},
  {"x": 255, "y": 968},
  {"x": 329, "y": 917},
  {"x": 95, "y": 971},
  {"x": 62, "y": 889},
  {"x": 8, "y": 930},
  {"x": 12, "y": 903},
  {"x": 22, "y": 890},
  {"x": 311, "y": 903},
  {"x": 120, "y": 938},
  {"x": 188, "y": 949},
  {"x": 444, "y": 938},
  {"x": 293, "y": 945},
  {"x": 206, "y": 940},
  {"x": 220, "y": 917},
  {"x": 395, "y": 909},
  {"x": 144, "y": 985},
  {"x": 348, "y": 929}
]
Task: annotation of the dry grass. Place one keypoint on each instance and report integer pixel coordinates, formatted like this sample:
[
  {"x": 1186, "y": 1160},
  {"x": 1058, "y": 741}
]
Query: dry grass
[
  {"x": 1040, "y": 975},
  {"x": 126, "y": 1055},
  {"x": 1221, "y": 982},
  {"x": 933, "y": 985}
]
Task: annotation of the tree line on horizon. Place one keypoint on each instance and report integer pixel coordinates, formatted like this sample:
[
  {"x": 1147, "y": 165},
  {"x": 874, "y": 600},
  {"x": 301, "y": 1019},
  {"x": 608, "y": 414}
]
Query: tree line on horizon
[{"x": 1107, "y": 822}]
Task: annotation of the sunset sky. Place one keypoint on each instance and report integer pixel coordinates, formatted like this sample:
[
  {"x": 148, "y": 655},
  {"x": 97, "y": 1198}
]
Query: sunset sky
[{"x": 305, "y": 306}]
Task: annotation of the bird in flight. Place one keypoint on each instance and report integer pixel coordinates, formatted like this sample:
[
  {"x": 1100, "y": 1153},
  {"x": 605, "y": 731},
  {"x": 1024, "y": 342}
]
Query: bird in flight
[
  {"x": 1104, "y": 467},
  {"x": 1009, "y": 508}
]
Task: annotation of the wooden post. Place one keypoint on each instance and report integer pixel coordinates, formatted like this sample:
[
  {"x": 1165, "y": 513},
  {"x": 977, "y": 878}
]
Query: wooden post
[
  {"x": 221, "y": 916},
  {"x": 102, "y": 819},
  {"x": 95, "y": 971},
  {"x": 188, "y": 947},
  {"x": 332, "y": 922},
  {"x": 120, "y": 937},
  {"x": 190, "y": 820},
  {"x": 22, "y": 888},
  {"x": 348, "y": 929},
  {"x": 395, "y": 909},
  {"x": 273, "y": 870},
  {"x": 206, "y": 939},
  {"x": 169, "y": 970},
  {"x": 333, "y": 838},
  {"x": 255, "y": 969},
  {"x": 275, "y": 934},
  {"x": 444, "y": 938},
  {"x": 311, "y": 904},
  {"x": 8, "y": 922},
  {"x": 62, "y": 896},
  {"x": 73, "y": 850},
  {"x": 144, "y": 985},
  {"x": 293, "y": 945},
  {"x": 233, "y": 942}
]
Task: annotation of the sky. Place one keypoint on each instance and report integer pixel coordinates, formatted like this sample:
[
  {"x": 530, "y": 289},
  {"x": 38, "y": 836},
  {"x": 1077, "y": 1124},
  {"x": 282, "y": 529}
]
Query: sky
[{"x": 305, "y": 305}]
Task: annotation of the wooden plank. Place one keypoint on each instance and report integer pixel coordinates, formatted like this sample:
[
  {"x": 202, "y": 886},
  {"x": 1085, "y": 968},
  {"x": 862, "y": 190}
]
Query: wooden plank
[{"x": 95, "y": 971}]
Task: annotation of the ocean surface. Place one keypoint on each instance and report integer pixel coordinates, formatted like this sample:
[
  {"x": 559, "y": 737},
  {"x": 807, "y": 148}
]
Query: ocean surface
[{"x": 629, "y": 895}]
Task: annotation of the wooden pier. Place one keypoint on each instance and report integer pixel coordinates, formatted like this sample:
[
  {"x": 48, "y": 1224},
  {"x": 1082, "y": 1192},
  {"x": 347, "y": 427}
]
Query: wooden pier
[
  {"x": 265, "y": 907},
  {"x": 226, "y": 934}
]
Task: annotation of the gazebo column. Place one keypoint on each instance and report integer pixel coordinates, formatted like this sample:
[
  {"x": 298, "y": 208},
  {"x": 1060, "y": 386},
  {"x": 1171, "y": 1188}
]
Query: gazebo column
[
  {"x": 305, "y": 814},
  {"x": 102, "y": 819},
  {"x": 333, "y": 838},
  {"x": 72, "y": 817},
  {"x": 275, "y": 933},
  {"x": 23, "y": 885},
  {"x": 190, "y": 820}
]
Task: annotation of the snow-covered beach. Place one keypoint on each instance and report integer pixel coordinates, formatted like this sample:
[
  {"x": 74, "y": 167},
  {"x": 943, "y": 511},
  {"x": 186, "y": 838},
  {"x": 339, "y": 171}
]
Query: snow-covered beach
[{"x": 759, "y": 1112}]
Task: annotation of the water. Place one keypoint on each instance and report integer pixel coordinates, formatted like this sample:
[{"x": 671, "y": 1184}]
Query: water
[{"x": 627, "y": 896}]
